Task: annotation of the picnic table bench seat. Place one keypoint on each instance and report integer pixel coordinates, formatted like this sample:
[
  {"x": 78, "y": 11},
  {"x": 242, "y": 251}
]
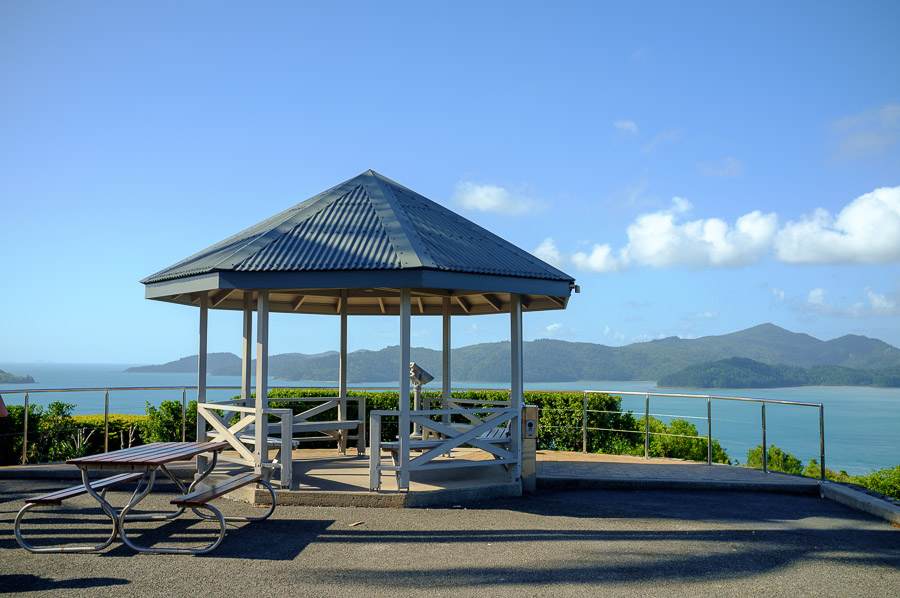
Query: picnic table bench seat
[
  {"x": 201, "y": 497},
  {"x": 56, "y": 497}
]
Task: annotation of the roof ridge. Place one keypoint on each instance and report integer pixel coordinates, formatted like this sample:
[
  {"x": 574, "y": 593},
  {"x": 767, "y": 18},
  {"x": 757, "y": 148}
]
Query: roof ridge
[{"x": 394, "y": 221}]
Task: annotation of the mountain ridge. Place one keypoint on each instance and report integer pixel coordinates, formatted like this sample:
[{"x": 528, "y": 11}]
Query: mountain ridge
[{"x": 552, "y": 360}]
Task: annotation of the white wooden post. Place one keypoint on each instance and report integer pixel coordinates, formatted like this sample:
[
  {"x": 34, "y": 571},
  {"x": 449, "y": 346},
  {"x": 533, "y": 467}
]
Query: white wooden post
[
  {"x": 247, "y": 348},
  {"x": 405, "y": 313},
  {"x": 201, "y": 374},
  {"x": 261, "y": 452},
  {"x": 517, "y": 388},
  {"x": 342, "y": 377},
  {"x": 445, "y": 354}
]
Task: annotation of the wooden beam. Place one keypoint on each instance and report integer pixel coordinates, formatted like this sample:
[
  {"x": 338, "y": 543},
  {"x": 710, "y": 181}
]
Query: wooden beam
[
  {"x": 381, "y": 305},
  {"x": 217, "y": 298},
  {"x": 463, "y": 303},
  {"x": 340, "y": 302},
  {"x": 493, "y": 302},
  {"x": 525, "y": 301},
  {"x": 421, "y": 307},
  {"x": 557, "y": 300},
  {"x": 296, "y": 305}
]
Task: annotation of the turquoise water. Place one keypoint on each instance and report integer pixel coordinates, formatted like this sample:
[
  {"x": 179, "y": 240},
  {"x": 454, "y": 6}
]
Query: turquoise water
[{"x": 861, "y": 424}]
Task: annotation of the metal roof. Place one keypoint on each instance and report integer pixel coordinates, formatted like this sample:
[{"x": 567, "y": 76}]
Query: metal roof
[{"x": 368, "y": 231}]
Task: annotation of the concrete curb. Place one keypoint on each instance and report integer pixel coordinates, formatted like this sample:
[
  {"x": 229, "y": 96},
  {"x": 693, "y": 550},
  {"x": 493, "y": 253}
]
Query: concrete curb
[
  {"x": 560, "y": 483},
  {"x": 417, "y": 499},
  {"x": 861, "y": 502}
]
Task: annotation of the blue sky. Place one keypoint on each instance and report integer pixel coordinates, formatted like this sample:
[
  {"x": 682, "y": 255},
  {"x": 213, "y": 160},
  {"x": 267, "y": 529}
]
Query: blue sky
[{"x": 698, "y": 167}]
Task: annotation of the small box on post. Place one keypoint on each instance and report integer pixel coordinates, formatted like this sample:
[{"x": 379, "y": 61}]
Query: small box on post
[{"x": 529, "y": 447}]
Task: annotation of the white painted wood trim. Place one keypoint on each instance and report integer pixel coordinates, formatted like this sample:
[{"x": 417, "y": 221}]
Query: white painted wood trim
[
  {"x": 247, "y": 348},
  {"x": 404, "y": 429},
  {"x": 446, "y": 360},
  {"x": 262, "y": 376},
  {"x": 517, "y": 387}
]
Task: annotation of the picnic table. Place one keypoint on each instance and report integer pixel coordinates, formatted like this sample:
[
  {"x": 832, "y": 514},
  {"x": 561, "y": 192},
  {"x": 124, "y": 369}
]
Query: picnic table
[{"x": 141, "y": 464}]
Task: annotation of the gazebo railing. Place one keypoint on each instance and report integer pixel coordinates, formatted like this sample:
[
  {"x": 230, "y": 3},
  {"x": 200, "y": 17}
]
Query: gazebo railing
[
  {"x": 481, "y": 434},
  {"x": 242, "y": 432}
]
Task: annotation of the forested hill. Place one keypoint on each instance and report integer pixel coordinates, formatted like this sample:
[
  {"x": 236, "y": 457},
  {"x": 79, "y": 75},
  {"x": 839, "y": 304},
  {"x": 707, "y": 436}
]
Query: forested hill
[
  {"x": 740, "y": 372},
  {"x": 562, "y": 361},
  {"x": 7, "y": 378}
]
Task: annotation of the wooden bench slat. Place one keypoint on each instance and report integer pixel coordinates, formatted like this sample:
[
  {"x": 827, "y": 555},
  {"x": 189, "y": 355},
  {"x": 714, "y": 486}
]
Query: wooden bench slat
[
  {"x": 201, "y": 497},
  {"x": 55, "y": 498}
]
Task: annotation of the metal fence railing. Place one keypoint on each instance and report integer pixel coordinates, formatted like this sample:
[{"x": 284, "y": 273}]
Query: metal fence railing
[{"x": 586, "y": 429}]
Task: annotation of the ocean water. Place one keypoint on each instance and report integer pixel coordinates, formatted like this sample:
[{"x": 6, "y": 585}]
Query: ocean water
[{"x": 862, "y": 425}]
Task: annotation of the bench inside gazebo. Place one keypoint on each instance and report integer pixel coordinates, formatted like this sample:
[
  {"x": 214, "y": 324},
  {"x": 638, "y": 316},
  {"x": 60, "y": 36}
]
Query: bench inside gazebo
[{"x": 366, "y": 247}]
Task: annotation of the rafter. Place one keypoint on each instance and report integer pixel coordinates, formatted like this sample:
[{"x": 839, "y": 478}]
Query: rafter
[
  {"x": 493, "y": 302},
  {"x": 217, "y": 298},
  {"x": 381, "y": 305},
  {"x": 463, "y": 303},
  {"x": 421, "y": 306},
  {"x": 296, "y": 304},
  {"x": 557, "y": 300}
]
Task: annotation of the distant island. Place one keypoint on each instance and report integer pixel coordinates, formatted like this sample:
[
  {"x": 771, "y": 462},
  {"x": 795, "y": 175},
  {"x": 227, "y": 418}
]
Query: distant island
[
  {"x": 740, "y": 372},
  {"x": 7, "y": 378},
  {"x": 797, "y": 358}
]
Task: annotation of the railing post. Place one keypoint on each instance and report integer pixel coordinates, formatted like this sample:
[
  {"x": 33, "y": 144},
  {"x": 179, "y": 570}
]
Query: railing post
[
  {"x": 375, "y": 452},
  {"x": 25, "y": 433},
  {"x": 708, "y": 431},
  {"x": 584, "y": 426},
  {"x": 647, "y": 428},
  {"x": 184, "y": 415},
  {"x": 822, "y": 442},
  {"x": 765, "y": 452},
  {"x": 106, "y": 423}
]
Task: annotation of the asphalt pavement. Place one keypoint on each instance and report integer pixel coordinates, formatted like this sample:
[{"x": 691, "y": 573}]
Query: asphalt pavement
[{"x": 554, "y": 543}]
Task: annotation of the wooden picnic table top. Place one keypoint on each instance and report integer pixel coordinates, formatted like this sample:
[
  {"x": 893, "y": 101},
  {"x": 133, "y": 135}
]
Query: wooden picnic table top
[{"x": 148, "y": 455}]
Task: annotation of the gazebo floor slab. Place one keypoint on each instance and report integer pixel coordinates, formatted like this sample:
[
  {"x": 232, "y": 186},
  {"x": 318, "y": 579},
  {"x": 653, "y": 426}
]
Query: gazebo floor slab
[{"x": 323, "y": 478}]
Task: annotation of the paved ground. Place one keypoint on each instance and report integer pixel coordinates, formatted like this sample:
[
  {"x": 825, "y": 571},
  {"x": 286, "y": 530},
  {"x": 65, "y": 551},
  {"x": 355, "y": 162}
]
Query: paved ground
[{"x": 556, "y": 543}]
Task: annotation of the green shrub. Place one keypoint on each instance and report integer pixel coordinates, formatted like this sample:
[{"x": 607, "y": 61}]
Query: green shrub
[
  {"x": 675, "y": 441},
  {"x": 11, "y": 428},
  {"x": 885, "y": 481},
  {"x": 776, "y": 460},
  {"x": 163, "y": 424}
]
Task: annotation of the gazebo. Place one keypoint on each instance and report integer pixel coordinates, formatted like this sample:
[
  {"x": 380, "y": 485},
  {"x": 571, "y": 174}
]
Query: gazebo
[{"x": 368, "y": 246}]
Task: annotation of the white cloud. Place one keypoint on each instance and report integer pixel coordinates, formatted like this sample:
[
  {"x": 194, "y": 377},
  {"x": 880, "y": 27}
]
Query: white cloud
[
  {"x": 874, "y": 305},
  {"x": 661, "y": 239},
  {"x": 491, "y": 198},
  {"x": 548, "y": 252},
  {"x": 867, "y": 133},
  {"x": 626, "y": 126},
  {"x": 599, "y": 260},
  {"x": 557, "y": 330},
  {"x": 704, "y": 315},
  {"x": 866, "y": 231},
  {"x": 728, "y": 168},
  {"x": 883, "y": 305},
  {"x": 778, "y": 293},
  {"x": 616, "y": 335},
  {"x": 665, "y": 137}
]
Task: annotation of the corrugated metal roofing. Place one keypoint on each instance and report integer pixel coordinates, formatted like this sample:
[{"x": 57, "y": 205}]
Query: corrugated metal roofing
[{"x": 366, "y": 223}]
